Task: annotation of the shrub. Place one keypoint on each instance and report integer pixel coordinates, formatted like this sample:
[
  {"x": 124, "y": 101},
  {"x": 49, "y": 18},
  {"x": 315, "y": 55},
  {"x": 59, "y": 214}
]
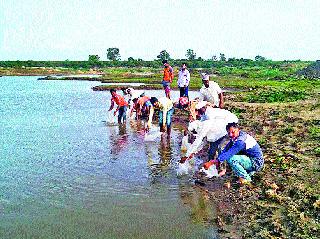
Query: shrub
[{"x": 276, "y": 95}]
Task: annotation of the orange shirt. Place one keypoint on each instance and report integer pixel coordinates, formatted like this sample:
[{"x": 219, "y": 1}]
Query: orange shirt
[
  {"x": 119, "y": 100},
  {"x": 143, "y": 100},
  {"x": 168, "y": 74}
]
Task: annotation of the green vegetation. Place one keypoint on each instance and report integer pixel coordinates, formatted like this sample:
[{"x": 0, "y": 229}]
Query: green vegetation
[{"x": 276, "y": 95}]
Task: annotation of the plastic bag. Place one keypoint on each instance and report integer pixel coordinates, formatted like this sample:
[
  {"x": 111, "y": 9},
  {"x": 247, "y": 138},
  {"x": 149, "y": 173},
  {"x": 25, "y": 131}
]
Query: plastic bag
[
  {"x": 211, "y": 172},
  {"x": 111, "y": 119},
  {"x": 183, "y": 168},
  {"x": 153, "y": 134}
]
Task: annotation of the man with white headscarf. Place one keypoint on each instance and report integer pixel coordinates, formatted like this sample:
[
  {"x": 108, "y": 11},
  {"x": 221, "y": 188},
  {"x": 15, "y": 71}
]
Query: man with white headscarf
[
  {"x": 211, "y": 92},
  {"x": 207, "y": 111}
]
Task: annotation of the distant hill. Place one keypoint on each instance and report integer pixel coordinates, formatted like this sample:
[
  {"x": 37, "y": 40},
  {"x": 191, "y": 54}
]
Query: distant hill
[{"x": 312, "y": 71}]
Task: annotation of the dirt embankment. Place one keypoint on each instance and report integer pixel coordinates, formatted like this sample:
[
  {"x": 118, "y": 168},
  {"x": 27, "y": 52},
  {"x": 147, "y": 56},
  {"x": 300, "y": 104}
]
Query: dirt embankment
[{"x": 283, "y": 201}]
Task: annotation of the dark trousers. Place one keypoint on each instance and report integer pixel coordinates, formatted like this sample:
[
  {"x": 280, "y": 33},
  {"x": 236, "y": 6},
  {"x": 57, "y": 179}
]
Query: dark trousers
[
  {"x": 122, "y": 114},
  {"x": 214, "y": 146},
  {"x": 184, "y": 91}
]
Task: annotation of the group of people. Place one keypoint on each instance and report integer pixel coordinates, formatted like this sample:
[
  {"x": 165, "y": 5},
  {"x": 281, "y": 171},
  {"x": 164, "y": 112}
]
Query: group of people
[{"x": 208, "y": 120}]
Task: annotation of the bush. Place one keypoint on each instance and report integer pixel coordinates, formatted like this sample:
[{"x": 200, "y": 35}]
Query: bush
[{"x": 276, "y": 95}]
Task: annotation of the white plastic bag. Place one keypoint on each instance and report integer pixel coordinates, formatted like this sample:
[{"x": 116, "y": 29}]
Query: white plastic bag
[
  {"x": 211, "y": 172},
  {"x": 183, "y": 168},
  {"x": 111, "y": 119},
  {"x": 153, "y": 134}
]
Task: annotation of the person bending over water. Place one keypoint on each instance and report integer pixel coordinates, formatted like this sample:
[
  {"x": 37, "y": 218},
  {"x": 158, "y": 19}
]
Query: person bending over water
[
  {"x": 142, "y": 106},
  {"x": 166, "y": 109},
  {"x": 122, "y": 105}
]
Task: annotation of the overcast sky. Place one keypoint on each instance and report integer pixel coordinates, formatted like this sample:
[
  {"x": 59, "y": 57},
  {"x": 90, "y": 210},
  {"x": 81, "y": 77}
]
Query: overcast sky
[{"x": 73, "y": 29}]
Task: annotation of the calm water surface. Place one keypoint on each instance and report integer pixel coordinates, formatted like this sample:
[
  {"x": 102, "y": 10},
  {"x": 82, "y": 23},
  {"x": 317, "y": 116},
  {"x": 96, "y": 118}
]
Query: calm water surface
[{"x": 65, "y": 174}]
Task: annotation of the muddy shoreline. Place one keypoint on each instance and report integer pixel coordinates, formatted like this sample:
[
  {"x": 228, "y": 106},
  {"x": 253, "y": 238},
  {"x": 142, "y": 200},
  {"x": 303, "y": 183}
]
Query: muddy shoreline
[{"x": 287, "y": 188}]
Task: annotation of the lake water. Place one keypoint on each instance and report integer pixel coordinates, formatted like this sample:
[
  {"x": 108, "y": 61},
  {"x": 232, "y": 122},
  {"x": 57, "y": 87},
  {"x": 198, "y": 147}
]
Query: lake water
[{"x": 65, "y": 174}]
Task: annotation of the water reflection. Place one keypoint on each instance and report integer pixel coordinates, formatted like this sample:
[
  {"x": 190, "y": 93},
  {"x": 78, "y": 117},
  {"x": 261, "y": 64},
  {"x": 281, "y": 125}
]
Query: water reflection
[
  {"x": 137, "y": 126},
  {"x": 118, "y": 141},
  {"x": 202, "y": 210},
  {"x": 81, "y": 172},
  {"x": 165, "y": 151},
  {"x": 160, "y": 168}
]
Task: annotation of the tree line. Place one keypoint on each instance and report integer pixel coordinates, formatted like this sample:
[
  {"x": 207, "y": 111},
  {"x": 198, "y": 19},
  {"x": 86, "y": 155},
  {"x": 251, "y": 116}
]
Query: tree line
[{"x": 114, "y": 60}]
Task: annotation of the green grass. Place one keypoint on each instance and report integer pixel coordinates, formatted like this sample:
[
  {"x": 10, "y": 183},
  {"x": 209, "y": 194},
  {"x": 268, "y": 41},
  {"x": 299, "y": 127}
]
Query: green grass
[
  {"x": 276, "y": 95},
  {"x": 314, "y": 132}
]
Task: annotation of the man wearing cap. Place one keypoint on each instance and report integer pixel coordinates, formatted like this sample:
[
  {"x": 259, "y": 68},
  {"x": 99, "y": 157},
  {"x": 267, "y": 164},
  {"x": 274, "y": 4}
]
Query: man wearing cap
[
  {"x": 130, "y": 94},
  {"x": 167, "y": 77},
  {"x": 211, "y": 92}
]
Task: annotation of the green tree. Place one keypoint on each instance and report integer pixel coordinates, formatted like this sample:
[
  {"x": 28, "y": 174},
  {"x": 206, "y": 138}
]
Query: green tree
[
  {"x": 222, "y": 57},
  {"x": 113, "y": 54},
  {"x": 214, "y": 58},
  {"x": 191, "y": 55},
  {"x": 164, "y": 55},
  {"x": 94, "y": 61},
  {"x": 131, "y": 62},
  {"x": 259, "y": 58},
  {"x": 94, "y": 58}
]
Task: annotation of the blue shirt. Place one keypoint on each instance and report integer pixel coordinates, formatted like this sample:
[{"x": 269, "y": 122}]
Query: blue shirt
[{"x": 245, "y": 144}]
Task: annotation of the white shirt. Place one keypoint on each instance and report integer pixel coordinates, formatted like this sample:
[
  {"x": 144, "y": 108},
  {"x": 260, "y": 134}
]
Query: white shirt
[
  {"x": 211, "y": 94},
  {"x": 221, "y": 114},
  {"x": 165, "y": 105},
  {"x": 183, "y": 78},
  {"x": 212, "y": 129}
]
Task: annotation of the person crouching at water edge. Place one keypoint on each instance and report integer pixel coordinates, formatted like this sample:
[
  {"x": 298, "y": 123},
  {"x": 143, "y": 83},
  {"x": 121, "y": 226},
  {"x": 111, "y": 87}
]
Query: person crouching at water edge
[
  {"x": 122, "y": 105},
  {"x": 242, "y": 153},
  {"x": 165, "y": 107}
]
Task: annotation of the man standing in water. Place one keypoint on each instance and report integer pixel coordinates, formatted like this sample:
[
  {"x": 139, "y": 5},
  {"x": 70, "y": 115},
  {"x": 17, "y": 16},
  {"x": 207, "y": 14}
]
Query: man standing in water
[
  {"x": 167, "y": 77},
  {"x": 211, "y": 92},
  {"x": 165, "y": 107},
  {"x": 122, "y": 105},
  {"x": 183, "y": 80}
]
